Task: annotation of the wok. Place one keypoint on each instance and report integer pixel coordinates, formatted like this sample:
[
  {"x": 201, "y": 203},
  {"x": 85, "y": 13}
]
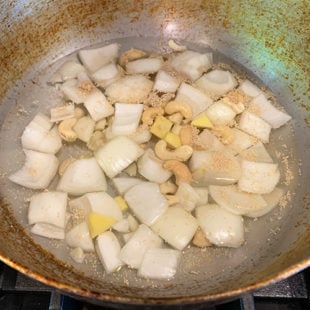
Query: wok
[{"x": 268, "y": 39}]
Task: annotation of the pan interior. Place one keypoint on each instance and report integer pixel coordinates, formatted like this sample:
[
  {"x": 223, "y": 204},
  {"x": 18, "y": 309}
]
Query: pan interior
[{"x": 216, "y": 268}]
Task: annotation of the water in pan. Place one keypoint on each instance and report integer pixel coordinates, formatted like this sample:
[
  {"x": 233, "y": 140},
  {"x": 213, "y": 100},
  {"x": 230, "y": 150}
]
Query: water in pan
[{"x": 33, "y": 94}]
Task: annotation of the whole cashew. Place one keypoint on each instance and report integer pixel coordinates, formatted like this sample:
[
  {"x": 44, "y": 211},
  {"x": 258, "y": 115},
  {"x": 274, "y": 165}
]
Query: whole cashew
[
  {"x": 182, "y": 107},
  {"x": 182, "y": 153},
  {"x": 149, "y": 115},
  {"x": 168, "y": 188},
  {"x": 180, "y": 171},
  {"x": 65, "y": 129}
]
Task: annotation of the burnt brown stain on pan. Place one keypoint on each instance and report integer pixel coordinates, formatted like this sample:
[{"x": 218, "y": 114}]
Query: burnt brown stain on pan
[{"x": 27, "y": 38}]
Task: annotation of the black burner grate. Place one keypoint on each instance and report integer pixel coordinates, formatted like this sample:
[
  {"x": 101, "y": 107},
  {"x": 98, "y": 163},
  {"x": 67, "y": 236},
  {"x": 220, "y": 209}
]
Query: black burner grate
[{"x": 18, "y": 292}]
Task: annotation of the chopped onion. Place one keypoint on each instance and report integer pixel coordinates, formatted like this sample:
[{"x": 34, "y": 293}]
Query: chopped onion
[
  {"x": 49, "y": 208},
  {"x": 38, "y": 136},
  {"x": 146, "y": 202},
  {"x": 133, "y": 223},
  {"x": 79, "y": 237},
  {"x": 80, "y": 206},
  {"x": 122, "y": 226},
  {"x": 217, "y": 82},
  {"x": 48, "y": 231},
  {"x": 130, "y": 89},
  {"x": 150, "y": 167},
  {"x": 106, "y": 75},
  {"x": 192, "y": 64},
  {"x": 84, "y": 128},
  {"x": 258, "y": 178},
  {"x": 188, "y": 196},
  {"x": 202, "y": 193},
  {"x": 142, "y": 239},
  {"x": 63, "y": 112},
  {"x": 127, "y": 236},
  {"x": 144, "y": 66},
  {"x": 38, "y": 170},
  {"x": 97, "y": 105},
  {"x": 220, "y": 113},
  {"x": 76, "y": 90},
  {"x": 236, "y": 201},
  {"x": 165, "y": 83},
  {"x": 268, "y": 112},
  {"x": 108, "y": 250},
  {"x": 214, "y": 167},
  {"x": 210, "y": 141},
  {"x": 123, "y": 184},
  {"x": 176, "y": 226},
  {"x": 240, "y": 141},
  {"x": 69, "y": 70},
  {"x": 250, "y": 89},
  {"x": 197, "y": 100},
  {"x": 117, "y": 154},
  {"x": 81, "y": 177},
  {"x": 255, "y": 126},
  {"x": 141, "y": 135},
  {"x": 159, "y": 263},
  {"x": 126, "y": 118},
  {"x": 257, "y": 152},
  {"x": 103, "y": 203},
  {"x": 221, "y": 227},
  {"x": 78, "y": 255},
  {"x": 93, "y": 59},
  {"x": 272, "y": 199}
]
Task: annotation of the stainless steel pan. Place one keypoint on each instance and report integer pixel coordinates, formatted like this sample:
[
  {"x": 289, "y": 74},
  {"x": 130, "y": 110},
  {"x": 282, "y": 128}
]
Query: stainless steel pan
[{"x": 268, "y": 38}]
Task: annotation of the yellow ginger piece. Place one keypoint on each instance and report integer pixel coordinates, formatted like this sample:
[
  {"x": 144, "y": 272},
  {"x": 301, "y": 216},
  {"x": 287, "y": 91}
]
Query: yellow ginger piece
[
  {"x": 99, "y": 223},
  {"x": 202, "y": 121},
  {"x": 121, "y": 203},
  {"x": 161, "y": 127},
  {"x": 173, "y": 140}
]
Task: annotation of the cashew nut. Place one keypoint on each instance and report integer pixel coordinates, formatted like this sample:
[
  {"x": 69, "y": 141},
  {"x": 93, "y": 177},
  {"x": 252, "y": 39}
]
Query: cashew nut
[
  {"x": 130, "y": 55},
  {"x": 65, "y": 129},
  {"x": 172, "y": 199},
  {"x": 182, "y": 107},
  {"x": 168, "y": 188},
  {"x": 101, "y": 124},
  {"x": 149, "y": 115},
  {"x": 180, "y": 171},
  {"x": 64, "y": 165},
  {"x": 176, "y": 118},
  {"x": 176, "y": 47},
  {"x": 79, "y": 112},
  {"x": 200, "y": 239},
  {"x": 182, "y": 153},
  {"x": 96, "y": 140},
  {"x": 186, "y": 135},
  {"x": 189, "y": 135}
]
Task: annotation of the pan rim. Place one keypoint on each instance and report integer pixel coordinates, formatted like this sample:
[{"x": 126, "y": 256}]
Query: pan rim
[{"x": 101, "y": 297}]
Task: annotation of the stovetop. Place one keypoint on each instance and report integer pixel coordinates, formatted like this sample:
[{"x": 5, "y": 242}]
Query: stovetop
[{"x": 18, "y": 292}]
